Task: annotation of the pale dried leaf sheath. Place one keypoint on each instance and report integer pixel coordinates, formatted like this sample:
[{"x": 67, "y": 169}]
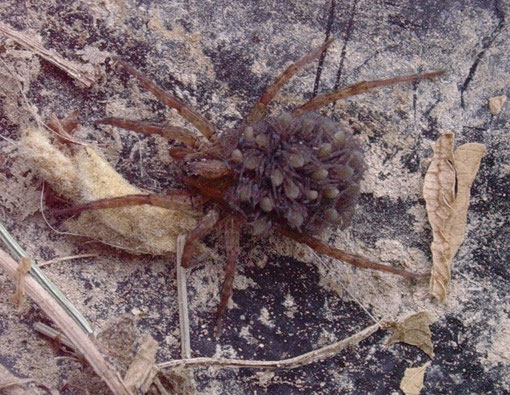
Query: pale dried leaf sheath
[
  {"x": 438, "y": 192},
  {"x": 447, "y": 211},
  {"x": 467, "y": 163},
  {"x": 83, "y": 343},
  {"x": 82, "y": 175}
]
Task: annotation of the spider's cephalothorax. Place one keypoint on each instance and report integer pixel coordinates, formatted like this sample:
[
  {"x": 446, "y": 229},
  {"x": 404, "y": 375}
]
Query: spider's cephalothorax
[
  {"x": 295, "y": 173},
  {"x": 303, "y": 171}
]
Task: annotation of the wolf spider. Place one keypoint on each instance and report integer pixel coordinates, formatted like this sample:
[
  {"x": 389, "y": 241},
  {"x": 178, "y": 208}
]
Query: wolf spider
[{"x": 296, "y": 173}]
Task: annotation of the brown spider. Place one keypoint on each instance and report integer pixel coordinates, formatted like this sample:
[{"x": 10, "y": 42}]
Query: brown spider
[{"x": 296, "y": 173}]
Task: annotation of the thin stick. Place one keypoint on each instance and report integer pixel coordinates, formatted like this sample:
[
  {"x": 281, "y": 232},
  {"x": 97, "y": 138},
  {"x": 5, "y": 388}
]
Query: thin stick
[
  {"x": 21, "y": 273},
  {"x": 69, "y": 327},
  {"x": 67, "y": 258},
  {"x": 37, "y": 274},
  {"x": 182, "y": 297},
  {"x": 48, "y": 331},
  {"x": 63, "y": 64},
  {"x": 290, "y": 363}
]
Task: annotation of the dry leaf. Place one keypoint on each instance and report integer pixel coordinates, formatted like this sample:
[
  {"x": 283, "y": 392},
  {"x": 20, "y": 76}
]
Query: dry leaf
[
  {"x": 446, "y": 191},
  {"x": 142, "y": 371},
  {"x": 83, "y": 175},
  {"x": 496, "y": 104},
  {"x": 415, "y": 330},
  {"x": 412, "y": 382}
]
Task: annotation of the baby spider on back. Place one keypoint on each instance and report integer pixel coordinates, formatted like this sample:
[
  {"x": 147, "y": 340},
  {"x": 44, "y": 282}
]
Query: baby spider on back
[{"x": 296, "y": 173}]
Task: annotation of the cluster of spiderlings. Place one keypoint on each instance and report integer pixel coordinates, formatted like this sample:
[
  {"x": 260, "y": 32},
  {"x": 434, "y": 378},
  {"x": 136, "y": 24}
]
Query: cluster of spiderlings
[{"x": 303, "y": 171}]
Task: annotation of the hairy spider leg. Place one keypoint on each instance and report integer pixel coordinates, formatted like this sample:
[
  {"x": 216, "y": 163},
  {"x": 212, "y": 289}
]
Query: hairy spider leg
[
  {"x": 176, "y": 199},
  {"x": 259, "y": 110},
  {"x": 188, "y": 113},
  {"x": 358, "y": 88},
  {"x": 201, "y": 230},
  {"x": 170, "y": 132},
  {"x": 356, "y": 260},
  {"x": 232, "y": 226}
]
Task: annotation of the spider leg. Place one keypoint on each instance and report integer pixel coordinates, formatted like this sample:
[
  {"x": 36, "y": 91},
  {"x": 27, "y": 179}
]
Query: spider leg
[
  {"x": 232, "y": 235},
  {"x": 358, "y": 88},
  {"x": 176, "y": 133},
  {"x": 258, "y": 111},
  {"x": 210, "y": 169},
  {"x": 175, "y": 200},
  {"x": 356, "y": 260},
  {"x": 203, "y": 228},
  {"x": 188, "y": 113}
]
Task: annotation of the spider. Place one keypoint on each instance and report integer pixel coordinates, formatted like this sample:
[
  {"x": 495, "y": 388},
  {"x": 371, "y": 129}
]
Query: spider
[{"x": 296, "y": 173}]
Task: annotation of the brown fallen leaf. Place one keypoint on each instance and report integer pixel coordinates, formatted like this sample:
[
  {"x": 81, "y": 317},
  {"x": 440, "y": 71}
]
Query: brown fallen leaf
[
  {"x": 496, "y": 104},
  {"x": 142, "y": 371},
  {"x": 412, "y": 382},
  {"x": 446, "y": 191},
  {"x": 415, "y": 330}
]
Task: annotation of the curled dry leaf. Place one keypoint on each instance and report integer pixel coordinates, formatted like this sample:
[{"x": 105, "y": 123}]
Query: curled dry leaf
[
  {"x": 412, "y": 382},
  {"x": 415, "y": 330},
  {"x": 81, "y": 175},
  {"x": 446, "y": 191}
]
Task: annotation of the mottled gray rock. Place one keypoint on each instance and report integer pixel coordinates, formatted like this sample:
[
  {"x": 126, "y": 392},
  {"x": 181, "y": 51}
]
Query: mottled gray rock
[{"x": 218, "y": 56}]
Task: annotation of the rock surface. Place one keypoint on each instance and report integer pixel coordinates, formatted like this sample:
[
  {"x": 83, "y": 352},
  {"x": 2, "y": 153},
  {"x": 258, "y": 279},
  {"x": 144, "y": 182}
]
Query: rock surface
[{"x": 218, "y": 57}]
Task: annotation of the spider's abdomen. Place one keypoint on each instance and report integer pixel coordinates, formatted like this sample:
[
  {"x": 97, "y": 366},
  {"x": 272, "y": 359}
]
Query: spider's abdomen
[{"x": 303, "y": 171}]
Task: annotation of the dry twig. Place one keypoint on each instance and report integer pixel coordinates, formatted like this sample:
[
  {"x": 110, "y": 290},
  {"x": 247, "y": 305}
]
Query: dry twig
[
  {"x": 67, "y": 258},
  {"x": 68, "y": 326},
  {"x": 182, "y": 297},
  {"x": 21, "y": 273},
  {"x": 48, "y": 331},
  {"x": 55, "y": 59},
  {"x": 290, "y": 363}
]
